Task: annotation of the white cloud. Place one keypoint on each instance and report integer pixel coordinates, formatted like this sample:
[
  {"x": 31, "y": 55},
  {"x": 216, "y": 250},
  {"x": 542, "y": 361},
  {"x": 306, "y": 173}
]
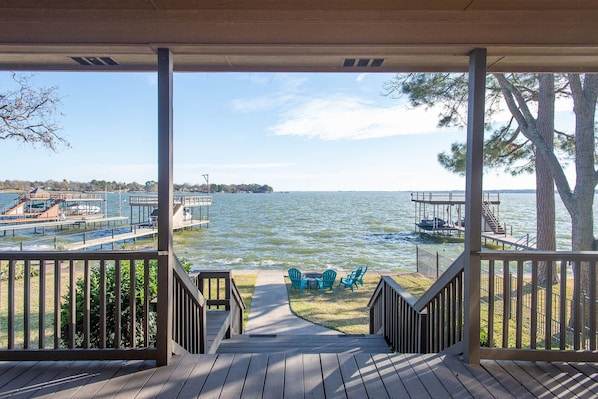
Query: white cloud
[
  {"x": 263, "y": 103},
  {"x": 288, "y": 88},
  {"x": 351, "y": 118}
]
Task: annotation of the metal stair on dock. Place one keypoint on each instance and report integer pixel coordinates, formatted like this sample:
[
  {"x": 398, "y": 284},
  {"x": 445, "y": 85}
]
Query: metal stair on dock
[
  {"x": 300, "y": 344},
  {"x": 491, "y": 219}
]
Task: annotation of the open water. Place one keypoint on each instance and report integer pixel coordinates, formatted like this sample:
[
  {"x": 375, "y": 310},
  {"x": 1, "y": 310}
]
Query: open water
[{"x": 314, "y": 230}]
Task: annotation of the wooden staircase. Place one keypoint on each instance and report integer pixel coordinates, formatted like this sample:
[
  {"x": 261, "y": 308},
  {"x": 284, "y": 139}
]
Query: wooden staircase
[
  {"x": 301, "y": 344},
  {"x": 491, "y": 219}
]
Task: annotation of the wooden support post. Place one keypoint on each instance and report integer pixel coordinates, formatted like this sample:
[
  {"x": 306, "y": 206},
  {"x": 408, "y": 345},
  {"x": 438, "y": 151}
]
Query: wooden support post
[
  {"x": 165, "y": 207},
  {"x": 473, "y": 203}
]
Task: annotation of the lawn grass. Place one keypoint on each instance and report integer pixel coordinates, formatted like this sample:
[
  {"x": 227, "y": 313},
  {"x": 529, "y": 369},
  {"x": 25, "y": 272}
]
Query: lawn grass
[
  {"x": 342, "y": 309},
  {"x": 34, "y": 306},
  {"x": 246, "y": 285}
]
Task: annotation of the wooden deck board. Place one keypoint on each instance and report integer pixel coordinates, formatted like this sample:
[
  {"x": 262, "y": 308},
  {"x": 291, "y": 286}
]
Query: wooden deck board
[
  {"x": 256, "y": 375},
  {"x": 561, "y": 378},
  {"x": 545, "y": 379},
  {"x": 388, "y": 375},
  {"x": 237, "y": 375},
  {"x": 408, "y": 376},
  {"x": 526, "y": 380},
  {"x": 446, "y": 377},
  {"x": 129, "y": 370},
  {"x": 198, "y": 376},
  {"x": 331, "y": 375},
  {"x": 151, "y": 386},
  {"x": 69, "y": 386},
  {"x": 100, "y": 374},
  {"x": 426, "y": 376},
  {"x": 179, "y": 376},
  {"x": 274, "y": 382},
  {"x": 293, "y": 377},
  {"x": 296, "y": 344},
  {"x": 473, "y": 378},
  {"x": 14, "y": 372},
  {"x": 27, "y": 384},
  {"x": 313, "y": 383},
  {"x": 351, "y": 376},
  {"x": 280, "y": 375},
  {"x": 217, "y": 376},
  {"x": 371, "y": 378},
  {"x": 577, "y": 379}
]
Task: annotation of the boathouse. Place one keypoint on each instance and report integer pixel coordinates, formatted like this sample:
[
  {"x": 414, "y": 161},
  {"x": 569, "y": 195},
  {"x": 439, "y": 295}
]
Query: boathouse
[{"x": 365, "y": 36}]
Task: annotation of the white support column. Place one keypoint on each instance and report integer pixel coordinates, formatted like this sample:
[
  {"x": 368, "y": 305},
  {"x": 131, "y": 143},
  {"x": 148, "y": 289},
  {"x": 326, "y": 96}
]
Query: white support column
[
  {"x": 473, "y": 203},
  {"x": 165, "y": 206}
]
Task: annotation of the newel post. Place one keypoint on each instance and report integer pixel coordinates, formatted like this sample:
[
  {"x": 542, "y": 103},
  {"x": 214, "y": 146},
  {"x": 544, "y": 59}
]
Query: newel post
[
  {"x": 165, "y": 206},
  {"x": 473, "y": 203}
]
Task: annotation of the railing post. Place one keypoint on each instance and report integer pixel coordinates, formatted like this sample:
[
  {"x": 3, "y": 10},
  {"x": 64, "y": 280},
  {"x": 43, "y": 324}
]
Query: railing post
[
  {"x": 473, "y": 203},
  {"x": 165, "y": 195}
]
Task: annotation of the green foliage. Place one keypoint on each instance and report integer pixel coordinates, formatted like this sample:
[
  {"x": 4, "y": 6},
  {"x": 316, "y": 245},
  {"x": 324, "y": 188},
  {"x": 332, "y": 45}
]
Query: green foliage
[
  {"x": 19, "y": 271},
  {"x": 506, "y": 148},
  {"x": 484, "y": 342},
  {"x": 124, "y": 312},
  {"x": 150, "y": 186}
]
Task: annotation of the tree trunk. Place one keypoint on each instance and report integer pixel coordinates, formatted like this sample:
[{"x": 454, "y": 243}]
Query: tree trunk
[
  {"x": 545, "y": 206},
  {"x": 580, "y": 203}
]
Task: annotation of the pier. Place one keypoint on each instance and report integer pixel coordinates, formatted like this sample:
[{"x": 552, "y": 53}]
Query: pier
[
  {"x": 135, "y": 233},
  {"x": 442, "y": 212},
  {"x": 70, "y": 210}
]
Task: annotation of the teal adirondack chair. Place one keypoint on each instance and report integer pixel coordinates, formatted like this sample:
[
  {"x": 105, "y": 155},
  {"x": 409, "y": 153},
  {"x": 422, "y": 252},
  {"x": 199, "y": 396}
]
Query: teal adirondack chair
[
  {"x": 351, "y": 279},
  {"x": 295, "y": 277},
  {"x": 328, "y": 279},
  {"x": 360, "y": 278}
]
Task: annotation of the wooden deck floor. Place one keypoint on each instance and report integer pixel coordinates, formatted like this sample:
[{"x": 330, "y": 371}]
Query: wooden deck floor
[
  {"x": 302, "y": 344},
  {"x": 277, "y": 375}
]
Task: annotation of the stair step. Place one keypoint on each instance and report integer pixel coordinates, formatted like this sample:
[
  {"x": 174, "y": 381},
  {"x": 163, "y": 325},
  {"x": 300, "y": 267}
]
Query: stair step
[{"x": 296, "y": 344}]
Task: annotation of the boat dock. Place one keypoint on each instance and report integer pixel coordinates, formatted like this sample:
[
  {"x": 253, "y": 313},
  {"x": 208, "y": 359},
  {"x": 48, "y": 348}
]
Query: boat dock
[
  {"x": 25, "y": 224},
  {"x": 136, "y": 232},
  {"x": 438, "y": 212},
  {"x": 40, "y": 211}
]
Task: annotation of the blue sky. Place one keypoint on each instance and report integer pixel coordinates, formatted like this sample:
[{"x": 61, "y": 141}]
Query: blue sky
[{"x": 295, "y": 132}]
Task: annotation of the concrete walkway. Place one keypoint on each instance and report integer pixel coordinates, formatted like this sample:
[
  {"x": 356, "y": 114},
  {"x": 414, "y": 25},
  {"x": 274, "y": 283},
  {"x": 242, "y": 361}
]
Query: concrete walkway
[{"x": 270, "y": 312}]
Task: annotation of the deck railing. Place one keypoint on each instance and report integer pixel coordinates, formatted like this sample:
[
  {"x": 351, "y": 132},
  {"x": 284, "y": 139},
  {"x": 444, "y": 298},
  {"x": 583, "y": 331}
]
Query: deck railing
[
  {"x": 184, "y": 200},
  {"x": 100, "y": 305},
  {"x": 189, "y": 324},
  {"x": 431, "y": 323},
  {"x": 526, "y": 317},
  {"x": 77, "y": 305},
  {"x": 222, "y": 293},
  {"x": 522, "y": 318}
]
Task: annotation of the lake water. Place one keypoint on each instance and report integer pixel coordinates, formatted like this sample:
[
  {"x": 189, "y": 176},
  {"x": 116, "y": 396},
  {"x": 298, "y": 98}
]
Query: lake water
[{"x": 314, "y": 230}]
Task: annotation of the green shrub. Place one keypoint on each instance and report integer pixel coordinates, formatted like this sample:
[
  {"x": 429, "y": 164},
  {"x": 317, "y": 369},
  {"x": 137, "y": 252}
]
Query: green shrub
[
  {"x": 484, "y": 342},
  {"x": 111, "y": 313}
]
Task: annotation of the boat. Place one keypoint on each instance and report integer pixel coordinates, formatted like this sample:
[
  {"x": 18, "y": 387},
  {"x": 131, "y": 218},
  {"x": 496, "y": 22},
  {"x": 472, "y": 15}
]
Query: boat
[
  {"x": 431, "y": 224},
  {"x": 82, "y": 209}
]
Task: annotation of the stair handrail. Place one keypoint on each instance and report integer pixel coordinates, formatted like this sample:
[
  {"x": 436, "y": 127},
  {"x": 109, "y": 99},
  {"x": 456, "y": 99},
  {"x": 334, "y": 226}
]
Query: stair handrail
[
  {"x": 189, "y": 312},
  {"x": 491, "y": 218},
  {"x": 232, "y": 302},
  {"x": 432, "y": 323}
]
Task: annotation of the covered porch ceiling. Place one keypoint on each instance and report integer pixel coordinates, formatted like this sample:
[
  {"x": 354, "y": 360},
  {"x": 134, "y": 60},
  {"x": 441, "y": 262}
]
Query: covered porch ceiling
[{"x": 299, "y": 35}]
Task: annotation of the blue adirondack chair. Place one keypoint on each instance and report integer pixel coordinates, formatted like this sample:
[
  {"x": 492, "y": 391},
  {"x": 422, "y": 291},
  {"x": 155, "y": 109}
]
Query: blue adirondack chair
[
  {"x": 295, "y": 277},
  {"x": 351, "y": 279},
  {"x": 360, "y": 278},
  {"x": 328, "y": 279}
]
